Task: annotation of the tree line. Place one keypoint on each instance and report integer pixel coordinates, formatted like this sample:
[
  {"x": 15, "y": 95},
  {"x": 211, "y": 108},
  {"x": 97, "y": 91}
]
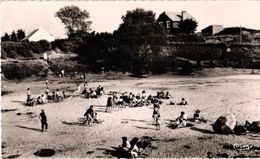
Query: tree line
[
  {"x": 14, "y": 36},
  {"x": 136, "y": 45}
]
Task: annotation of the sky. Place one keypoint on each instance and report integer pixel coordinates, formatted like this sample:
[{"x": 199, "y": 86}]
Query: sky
[{"x": 106, "y": 15}]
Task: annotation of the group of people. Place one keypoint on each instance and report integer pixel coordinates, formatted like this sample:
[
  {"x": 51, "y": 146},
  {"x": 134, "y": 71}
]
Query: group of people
[
  {"x": 126, "y": 99},
  {"x": 89, "y": 93},
  {"x": 45, "y": 97},
  {"x": 182, "y": 102},
  {"x": 134, "y": 148}
]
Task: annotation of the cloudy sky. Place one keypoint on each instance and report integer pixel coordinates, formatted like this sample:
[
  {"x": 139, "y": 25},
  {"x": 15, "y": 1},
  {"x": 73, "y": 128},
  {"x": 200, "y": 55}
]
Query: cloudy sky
[{"x": 106, "y": 15}]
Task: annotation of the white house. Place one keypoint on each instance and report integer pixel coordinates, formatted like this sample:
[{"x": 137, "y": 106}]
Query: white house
[{"x": 39, "y": 34}]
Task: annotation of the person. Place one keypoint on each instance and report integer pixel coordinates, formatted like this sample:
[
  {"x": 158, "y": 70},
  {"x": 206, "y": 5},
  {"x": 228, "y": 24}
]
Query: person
[
  {"x": 125, "y": 144},
  {"x": 28, "y": 94},
  {"x": 181, "y": 120},
  {"x": 114, "y": 99},
  {"x": 143, "y": 96},
  {"x": 64, "y": 95},
  {"x": 167, "y": 95},
  {"x": 46, "y": 82},
  {"x": 90, "y": 115},
  {"x": 156, "y": 113},
  {"x": 62, "y": 73},
  {"x": 57, "y": 94},
  {"x": 196, "y": 115},
  {"x": 43, "y": 118},
  {"x": 47, "y": 91},
  {"x": 84, "y": 88},
  {"x": 183, "y": 102},
  {"x": 134, "y": 150},
  {"x": 109, "y": 104}
]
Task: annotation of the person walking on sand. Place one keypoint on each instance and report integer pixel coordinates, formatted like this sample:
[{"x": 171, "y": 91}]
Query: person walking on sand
[
  {"x": 43, "y": 119},
  {"x": 28, "y": 94}
]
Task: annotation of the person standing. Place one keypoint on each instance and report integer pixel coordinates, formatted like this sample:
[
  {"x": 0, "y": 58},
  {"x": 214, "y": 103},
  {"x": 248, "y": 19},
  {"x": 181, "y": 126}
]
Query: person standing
[
  {"x": 43, "y": 119},
  {"x": 28, "y": 94}
]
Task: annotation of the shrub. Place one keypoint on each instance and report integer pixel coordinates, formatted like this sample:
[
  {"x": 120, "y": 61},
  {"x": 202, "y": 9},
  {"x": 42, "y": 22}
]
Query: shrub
[
  {"x": 25, "y": 49},
  {"x": 3, "y": 54},
  {"x": 12, "y": 54},
  {"x": 65, "y": 45},
  {"x": 21, "y": 70}
]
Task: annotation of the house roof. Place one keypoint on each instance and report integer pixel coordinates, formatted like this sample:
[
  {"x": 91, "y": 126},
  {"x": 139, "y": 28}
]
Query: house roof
[
  {"x": 39, "y": 34},
  {"x": 177, "y": 16}
]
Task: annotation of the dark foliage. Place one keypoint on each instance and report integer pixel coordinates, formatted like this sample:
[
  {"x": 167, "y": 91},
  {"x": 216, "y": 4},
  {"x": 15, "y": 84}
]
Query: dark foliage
[
  {"x": 20, "y": 34},
  {"x": 75, "y": 20},
  {"x": 24, "y": 49},
  {"x": 140, "y": 38},
  {"x": 187, "y": 26},
  {"x": 21, "y": 70},
  {"x": 13, "y": 36},
  {"x": 66, "y": 45},
  {"x": 6, "y": 37}
]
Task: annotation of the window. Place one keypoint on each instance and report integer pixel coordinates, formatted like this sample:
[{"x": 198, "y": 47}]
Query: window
[
  {"x": 167, "y": 24},
  {"x": 161, "y": 23}
]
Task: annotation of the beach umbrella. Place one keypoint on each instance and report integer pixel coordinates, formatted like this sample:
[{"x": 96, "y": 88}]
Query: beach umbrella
[{"x": 225, "y": 124}]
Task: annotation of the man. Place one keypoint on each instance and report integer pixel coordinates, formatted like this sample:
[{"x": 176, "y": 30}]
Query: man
[
  {"x": 28, "y": 94},
  {"x": 90, "y": 115},
  {"x": 43, "y": 119}
]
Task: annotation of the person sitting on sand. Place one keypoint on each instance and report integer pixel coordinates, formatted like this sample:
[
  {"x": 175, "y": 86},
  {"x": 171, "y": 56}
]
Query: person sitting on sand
[
  {"x": 143, "y": 95},
  {"x": 134, "y": 150},
  {"x": 138, "y": 96},
  {"x": 64, "y": 95},
  {"x": 167, "y": 95},
  {"x": 183, "y": 102},
  {"x": 90, "y": 115},
  {"x": 43, "y": 99},
  {"x": 196, "y": 115},
  {"x": 53, "y": 97},
  {"x": 125, "y": 144},
  {"x": 181, "y": 120},
  {"x": 109, "y": 104}
]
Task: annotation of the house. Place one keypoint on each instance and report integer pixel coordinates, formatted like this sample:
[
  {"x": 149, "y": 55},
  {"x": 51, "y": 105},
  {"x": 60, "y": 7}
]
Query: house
[
  {"x": 212, "y": 30},
  {"x": 170, "y": 20},
  {"x": 39, "y": 34}
]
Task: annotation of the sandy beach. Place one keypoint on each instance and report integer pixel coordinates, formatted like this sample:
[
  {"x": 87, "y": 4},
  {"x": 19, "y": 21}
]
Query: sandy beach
[{"x": 213, "y": 95}]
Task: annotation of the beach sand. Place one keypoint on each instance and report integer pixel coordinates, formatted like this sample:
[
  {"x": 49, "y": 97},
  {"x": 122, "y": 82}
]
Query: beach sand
[{"x": 214, "y": 96}]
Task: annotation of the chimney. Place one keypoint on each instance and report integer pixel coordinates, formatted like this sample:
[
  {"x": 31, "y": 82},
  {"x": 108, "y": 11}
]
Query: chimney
[{"x": 182, "y": 15}]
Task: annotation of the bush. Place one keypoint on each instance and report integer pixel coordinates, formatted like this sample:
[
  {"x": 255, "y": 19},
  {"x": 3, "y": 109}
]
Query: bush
[
  {"x": 65, "y": 45},
  {"x": 12, "y": 54},
  {"x": 21, "y": 70},
  {"x": 25, "y": 49},
  {"x": 3, "y": 54},
  {"x": 68, "y": 66}
]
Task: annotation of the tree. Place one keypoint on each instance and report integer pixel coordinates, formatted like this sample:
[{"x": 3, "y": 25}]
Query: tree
[
  {"x": 140, "y": 36},
  {"x": 20, "y": 34},
  {"x": 187, "y": 26},
  {"x": 6, "y": 37},
  {"x": 13, "y": 36},
  {"x": 75, "y": 20}
]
